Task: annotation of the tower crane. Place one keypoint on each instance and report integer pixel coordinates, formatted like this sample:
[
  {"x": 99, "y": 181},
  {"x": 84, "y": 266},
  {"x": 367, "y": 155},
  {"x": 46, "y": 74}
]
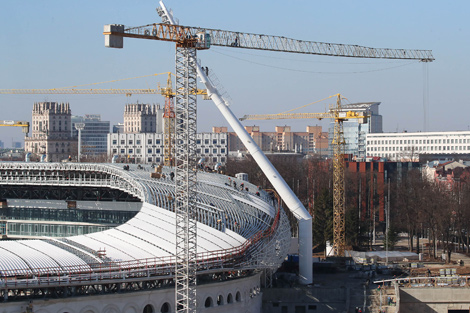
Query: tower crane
[
  {"x": 23, "y": 124},
  {"x": 188, "y": 40},
  {"x": 169, "y": 118},
  {"x": 338, "y": 142}
]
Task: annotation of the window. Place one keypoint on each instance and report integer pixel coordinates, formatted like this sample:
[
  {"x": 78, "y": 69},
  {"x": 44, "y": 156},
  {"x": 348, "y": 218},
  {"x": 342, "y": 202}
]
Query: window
[
  {"x": 222, "y": 150},
  {"x": 137, "y": 142},
  {"x": 157, "y": 141},
  {"x": 149, "y": 150},
  {"x": 300, "y": 309},
  {"x": 206, "y": 151},
  {"x": 137, "y": 151},
  {"x": 131, "y": 141},
  {"x": 165, "y": 308},
  {"x": 114, "y": 151},
  {"x": 148, "y": 309},
  {"x": 208, "y": 303},
  {"x": 157, "y": 150},
  {"x": 114, "y": 142},
  {"x": 131, "y": 151},
  {"x": 214, "y": 151},
  {"x": 123, "y": 151},
  {"x": 123, "y": 142},
  {"x": 214, "y": 141},
  {"x": 206, "y": 141},
  {"x": 198, "y": 141},
  {"x": 222, "y": 141},
  {"x": 149, "y": 141}
]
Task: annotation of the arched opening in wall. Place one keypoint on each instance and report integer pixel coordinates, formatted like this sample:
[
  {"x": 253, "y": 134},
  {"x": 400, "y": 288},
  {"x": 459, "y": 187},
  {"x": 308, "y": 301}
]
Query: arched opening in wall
[
  {"x": 229, "y": 298},
  {"x": 209, "y": 303},
  {"x": 220, "y": 300},
  {"x": 165, "y": 308},
  {"x": 148, "y": 309},
  {"x": 238, "y": 296}
]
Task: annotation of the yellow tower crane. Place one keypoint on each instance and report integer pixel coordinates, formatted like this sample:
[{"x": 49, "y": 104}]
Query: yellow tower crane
[
  {"x": 169, "y": 118},
  {"x": 23, "y": 124},
  {"x": 336, "y": 113}
]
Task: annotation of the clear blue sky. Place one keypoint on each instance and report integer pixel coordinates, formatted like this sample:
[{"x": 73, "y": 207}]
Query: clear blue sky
[{"x": 56, "y": 43}]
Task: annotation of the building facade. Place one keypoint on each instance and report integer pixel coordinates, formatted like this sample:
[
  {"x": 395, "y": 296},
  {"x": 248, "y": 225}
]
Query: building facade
[
  {"x": 409, "y": 146},
  {"x": 143, "y": 118},
  {"x": 51, "y": 131},
  {"x": 148, "y": 148},
  {"x": 283, "y": 139},
  {"x": 355, "y": 131},
  {"x": 94, "y": 137}
]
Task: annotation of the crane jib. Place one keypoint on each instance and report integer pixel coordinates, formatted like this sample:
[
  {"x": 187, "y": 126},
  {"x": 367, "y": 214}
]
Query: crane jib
[{"x": 203, "y": 38}]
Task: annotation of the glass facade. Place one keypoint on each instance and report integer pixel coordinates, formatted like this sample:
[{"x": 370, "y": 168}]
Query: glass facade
[
  {"x": 22, "y": 229},
  {"x": 94, "y": 135},
  {"x": 38, "y": 222},
  {"x": 355, "y": 132}
]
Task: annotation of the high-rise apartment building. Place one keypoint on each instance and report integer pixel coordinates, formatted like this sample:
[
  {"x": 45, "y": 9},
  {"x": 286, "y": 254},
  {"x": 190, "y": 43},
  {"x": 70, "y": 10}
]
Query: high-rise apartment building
[
  {"x": 283, "y": 139},
  {"x": 51, "y": 131},
  {"x": 94, "y": 136},
  {"x": 143, "y": 118}
]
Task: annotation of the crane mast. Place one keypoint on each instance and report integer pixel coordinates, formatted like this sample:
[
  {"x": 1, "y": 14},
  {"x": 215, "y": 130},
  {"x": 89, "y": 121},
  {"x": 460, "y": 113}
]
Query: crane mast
[
  {"x": 339, "y": 240},
  {"x": 169, "y": 120}
]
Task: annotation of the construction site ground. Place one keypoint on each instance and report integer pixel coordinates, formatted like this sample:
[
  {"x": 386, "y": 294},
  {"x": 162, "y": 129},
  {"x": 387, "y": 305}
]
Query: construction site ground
[{"x": 343, "y": 288}]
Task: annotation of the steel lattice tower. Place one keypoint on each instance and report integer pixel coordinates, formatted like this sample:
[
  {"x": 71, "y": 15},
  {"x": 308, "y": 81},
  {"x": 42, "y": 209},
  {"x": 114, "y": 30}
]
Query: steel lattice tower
[
  {"x": 169, "y": 118},
  {"x": 338, "y": 143},
  {"x": 185, "y": 205}
]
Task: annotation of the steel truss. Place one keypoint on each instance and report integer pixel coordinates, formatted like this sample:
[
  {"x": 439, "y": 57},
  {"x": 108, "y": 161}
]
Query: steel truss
[
  {"x": 169, "y": 119},
  {"x": 186, "y": 179},
  {"x": 339, "y": 240}
]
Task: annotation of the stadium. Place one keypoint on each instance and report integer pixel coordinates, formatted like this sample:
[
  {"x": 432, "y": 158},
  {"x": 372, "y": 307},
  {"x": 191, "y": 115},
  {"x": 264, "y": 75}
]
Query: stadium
[{"x": 243, "y": 236}]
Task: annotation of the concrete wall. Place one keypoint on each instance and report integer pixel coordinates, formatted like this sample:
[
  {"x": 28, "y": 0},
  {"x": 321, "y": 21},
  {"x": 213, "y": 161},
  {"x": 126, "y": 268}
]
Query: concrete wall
[
  {"x": 249, "y": 300},
  {"x": 305, "y": 299},
  {"x": 435, "y": 300}
]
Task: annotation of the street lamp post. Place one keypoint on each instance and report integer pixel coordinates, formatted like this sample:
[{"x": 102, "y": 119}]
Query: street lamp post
[{"x": 79, "y": 127}]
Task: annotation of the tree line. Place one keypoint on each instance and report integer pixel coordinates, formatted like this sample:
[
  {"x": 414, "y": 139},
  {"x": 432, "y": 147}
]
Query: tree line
[{"x": 417, "y": 206}]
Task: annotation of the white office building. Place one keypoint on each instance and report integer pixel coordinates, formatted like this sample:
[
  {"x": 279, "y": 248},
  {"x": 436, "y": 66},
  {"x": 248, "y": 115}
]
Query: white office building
[
  {"x": 149, "y": 147},
  {"x": 408, "y": 146}
]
